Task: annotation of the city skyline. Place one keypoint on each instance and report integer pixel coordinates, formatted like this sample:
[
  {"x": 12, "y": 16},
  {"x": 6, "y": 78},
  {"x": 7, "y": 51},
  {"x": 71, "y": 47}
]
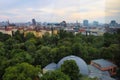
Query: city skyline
[{"x": 59, "y": 10}]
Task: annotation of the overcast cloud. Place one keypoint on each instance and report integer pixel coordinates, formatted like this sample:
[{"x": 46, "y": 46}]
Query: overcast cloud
[{"x": 59, "y": 10}]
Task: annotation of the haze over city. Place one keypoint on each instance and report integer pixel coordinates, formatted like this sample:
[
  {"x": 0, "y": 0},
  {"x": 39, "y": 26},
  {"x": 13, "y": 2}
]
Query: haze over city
[
  {"x": 59, "y": 40},
  {"x": 59, "y": 10}
]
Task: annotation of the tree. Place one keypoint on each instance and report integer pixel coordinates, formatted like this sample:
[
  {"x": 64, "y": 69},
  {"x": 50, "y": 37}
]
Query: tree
[
  {"x": 2, "y": 50},
  {"x": 62, "y": 34},
  {"x": 76, "y": 49},
  {"x": 29, "y": 36},
  {"x": 93, "y": 52},
  {"x": 9, "y": 43},
  {"x": 98, "y": 41},
  {"x": 19, "y": 56},
  {"x": 54, "y": 75},
  {"x": 4, "y": 37},
  {"x": 3, "y": 64},
  {"x": 53, "y": 54},
  {"x": 54, "y": 39},
  {"x": 42, "y": 56},
  {"x": 109, "y": 39},
  {"x": 65, "y": 42},
  {"x": 106, "y": 53},
  {"x": 18, "y": 36},
  {"x": 30, "y": 46},
  {"x": 23, "y": 71},
  {"x": 46, "y": 38},
  {"x": 63, "y": 51},
  {"x": 70, "y": 68},
  {"x": 118, "y": 37},
  {"x": 112, "y": 53}
]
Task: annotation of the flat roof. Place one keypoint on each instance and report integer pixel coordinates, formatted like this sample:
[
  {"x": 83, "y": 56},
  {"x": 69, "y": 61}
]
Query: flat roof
[
  {"x": 95, "y": 71},
  {"x": 101, "y": 75},
  {"x": 103, "y": 63}
]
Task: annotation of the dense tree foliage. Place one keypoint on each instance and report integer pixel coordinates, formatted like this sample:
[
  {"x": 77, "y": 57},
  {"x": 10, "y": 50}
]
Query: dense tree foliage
[
  {"x": 33, "y": 50},
  {"x": 70, "y": 68},
  {"x": 23, "y": 71},
  {"x": 87, "y": 78},
  {"x": 54, "y": 75}
]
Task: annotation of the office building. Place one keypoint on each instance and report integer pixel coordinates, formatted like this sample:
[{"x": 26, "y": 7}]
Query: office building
[
  {"x": 85, "y": 23},
  {"x": 95, "y": 23},
  {"x": 113, "y": 23},
  {"x": 33, "y": 22}
]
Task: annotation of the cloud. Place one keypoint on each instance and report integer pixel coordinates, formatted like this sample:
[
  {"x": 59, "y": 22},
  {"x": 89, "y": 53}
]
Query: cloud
[
  {"x": 58, "y": 10},
  {"x": 112, "y": 10}
]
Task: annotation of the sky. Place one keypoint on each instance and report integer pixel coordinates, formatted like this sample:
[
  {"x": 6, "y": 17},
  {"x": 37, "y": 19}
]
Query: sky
[{"x": 59, "y": 10}]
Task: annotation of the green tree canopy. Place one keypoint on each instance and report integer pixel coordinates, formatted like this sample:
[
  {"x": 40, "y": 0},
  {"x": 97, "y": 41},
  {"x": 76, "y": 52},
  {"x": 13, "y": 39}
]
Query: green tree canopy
[
  {"x": 23, "y": 71},
  {"x": 54, "y": 75},
  {"x": 70, "y": 68},
  {"x": 29, "y": 36},
  {"x": 88, "y": 78}
]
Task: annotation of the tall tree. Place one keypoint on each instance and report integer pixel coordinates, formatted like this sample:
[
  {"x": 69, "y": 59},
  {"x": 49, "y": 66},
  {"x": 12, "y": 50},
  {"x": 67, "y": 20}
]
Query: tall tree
[
  {"x": 70, "y": 68},
  {"x": 23, "y": 71},
  {"x": 54, "y": 75},
  {"x": 29, "y": 36},
  {"x": 3, "y": 65},
  {"x": 42, "y": 56},
  {"x": 76, "y": 49},
  {"x": 18, "y": 36}
]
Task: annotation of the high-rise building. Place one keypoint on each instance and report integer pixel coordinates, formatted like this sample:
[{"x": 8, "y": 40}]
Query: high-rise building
[
  {"x": 113, "y": 23},
  {"x": 85, "y": 23},
  {"x": 95, "y": 23},
  {"x": 63, "y": 23},
  {"x": 33, "y": 22}
]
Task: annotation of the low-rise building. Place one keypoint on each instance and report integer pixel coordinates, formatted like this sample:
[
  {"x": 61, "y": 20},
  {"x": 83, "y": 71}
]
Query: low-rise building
[{"x": 105, "y": 65}]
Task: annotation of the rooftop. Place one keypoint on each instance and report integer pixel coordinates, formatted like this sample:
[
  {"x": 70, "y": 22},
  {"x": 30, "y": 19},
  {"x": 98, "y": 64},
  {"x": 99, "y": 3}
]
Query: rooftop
[
  {"x": 103, "y": 63},
  {"x": 95, "y": 71},
  {"x": 102, "y": 75}
]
